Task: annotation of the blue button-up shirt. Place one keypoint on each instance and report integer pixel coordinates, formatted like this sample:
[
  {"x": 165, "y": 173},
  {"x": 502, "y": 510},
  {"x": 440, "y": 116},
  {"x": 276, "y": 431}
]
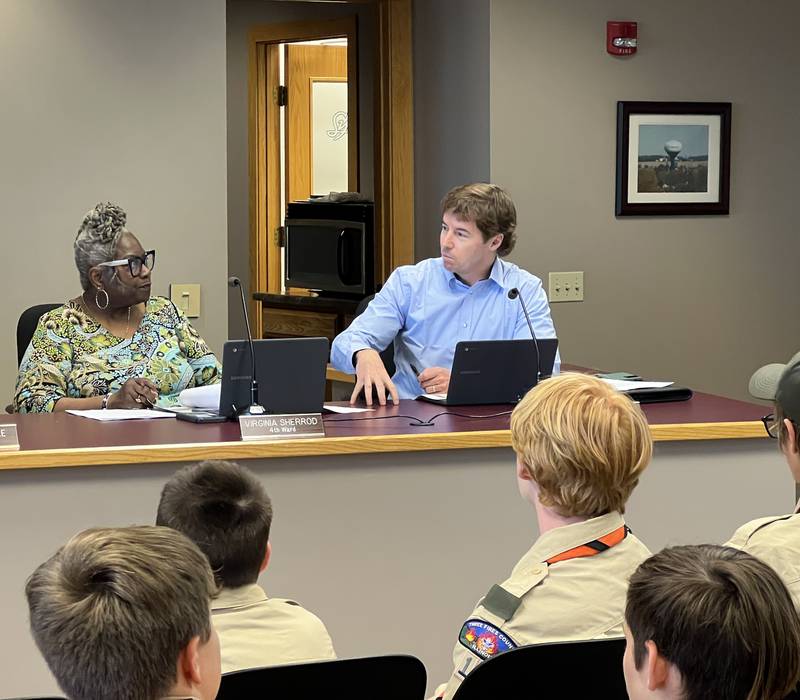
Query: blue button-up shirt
[{"x": 426, "y": 310}]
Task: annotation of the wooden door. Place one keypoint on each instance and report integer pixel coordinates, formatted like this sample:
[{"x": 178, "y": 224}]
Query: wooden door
[{"x": 305, "y": 65}]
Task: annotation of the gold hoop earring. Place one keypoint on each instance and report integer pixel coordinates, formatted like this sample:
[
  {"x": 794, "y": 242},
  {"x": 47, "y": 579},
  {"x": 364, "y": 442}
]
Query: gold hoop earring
[{"x": 97, "y": 298}]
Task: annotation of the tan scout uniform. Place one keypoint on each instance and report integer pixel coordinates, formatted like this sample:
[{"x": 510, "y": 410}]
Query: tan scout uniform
[
  {"x": 258, "y": 631},
  {"x": 579, "y": 598},
  {"x": 776, "y": 541}
]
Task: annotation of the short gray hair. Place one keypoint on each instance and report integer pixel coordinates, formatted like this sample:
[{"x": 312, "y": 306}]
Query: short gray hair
[
  {"x": 97, "y": 237},
  {"x": 113, "y": 608}
]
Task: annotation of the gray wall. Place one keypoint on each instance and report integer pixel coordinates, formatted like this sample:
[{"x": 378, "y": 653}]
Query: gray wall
[
  {"x": 451, "y": 107},
  {"x": 243, "y": 15},
  {"x": 696, "y": 299},
  {"x": 106, "y": 99}
]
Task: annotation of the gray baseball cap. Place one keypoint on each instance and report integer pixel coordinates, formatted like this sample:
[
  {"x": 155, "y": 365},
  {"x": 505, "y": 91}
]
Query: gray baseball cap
[{"x": 765, "y": 380}]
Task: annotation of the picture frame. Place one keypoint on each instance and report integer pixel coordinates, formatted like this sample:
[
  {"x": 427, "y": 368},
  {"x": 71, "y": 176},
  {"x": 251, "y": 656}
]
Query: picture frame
[{"x": 673, "y": 158}]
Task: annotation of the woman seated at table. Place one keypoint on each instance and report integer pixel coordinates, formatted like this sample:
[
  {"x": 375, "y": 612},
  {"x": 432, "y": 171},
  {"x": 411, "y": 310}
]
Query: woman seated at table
[{"x": 113, "y": 346}]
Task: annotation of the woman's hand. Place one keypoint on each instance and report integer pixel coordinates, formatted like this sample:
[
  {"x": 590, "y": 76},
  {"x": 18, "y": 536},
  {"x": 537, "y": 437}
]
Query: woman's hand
[{"x": 135, "y": 393}]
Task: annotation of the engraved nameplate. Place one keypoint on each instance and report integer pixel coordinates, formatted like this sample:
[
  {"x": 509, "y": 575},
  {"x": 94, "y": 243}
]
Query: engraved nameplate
[
  {"x": 9, "y": 440},
  {"x": 284, "y": 425}
]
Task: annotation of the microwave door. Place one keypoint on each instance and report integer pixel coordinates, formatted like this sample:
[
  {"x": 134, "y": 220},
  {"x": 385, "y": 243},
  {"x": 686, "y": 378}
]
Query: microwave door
[{"x": 348, "y": 254}]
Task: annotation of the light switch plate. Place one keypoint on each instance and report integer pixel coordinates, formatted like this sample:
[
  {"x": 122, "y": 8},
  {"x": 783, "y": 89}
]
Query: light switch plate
[
  {"x": 187, "y": 298},
  {"x": 566, "y": 286}
]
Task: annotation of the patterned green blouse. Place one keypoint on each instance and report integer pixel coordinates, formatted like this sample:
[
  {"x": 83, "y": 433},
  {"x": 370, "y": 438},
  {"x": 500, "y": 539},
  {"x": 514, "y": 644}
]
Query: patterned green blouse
[{"x": 71, "y": 355}]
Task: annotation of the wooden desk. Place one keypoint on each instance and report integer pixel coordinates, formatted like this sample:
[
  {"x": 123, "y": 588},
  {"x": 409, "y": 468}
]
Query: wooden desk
[
  {"x": 379, "y": 528},
  {"x": 64, "y": 440},
  {"x": 291, "y": 316}
]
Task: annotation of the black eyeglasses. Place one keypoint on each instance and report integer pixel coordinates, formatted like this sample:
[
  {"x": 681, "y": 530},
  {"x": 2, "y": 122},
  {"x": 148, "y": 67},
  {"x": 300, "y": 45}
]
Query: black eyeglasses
[
  {"x": 771, "y": 424},
  {"x": 134, "y": 262}
]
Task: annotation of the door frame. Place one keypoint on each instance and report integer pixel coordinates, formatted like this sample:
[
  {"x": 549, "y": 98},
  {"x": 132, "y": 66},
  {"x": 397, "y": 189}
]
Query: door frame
[
  {"x": 393, "y": 139},
  {"x": 264, "y": 141}
]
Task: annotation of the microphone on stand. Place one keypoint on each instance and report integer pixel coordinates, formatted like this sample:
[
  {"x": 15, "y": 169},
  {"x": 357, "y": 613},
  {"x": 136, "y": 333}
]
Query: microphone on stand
[
  {"x": 255, "y": 409},
  {"x": 514, "y": 293}
]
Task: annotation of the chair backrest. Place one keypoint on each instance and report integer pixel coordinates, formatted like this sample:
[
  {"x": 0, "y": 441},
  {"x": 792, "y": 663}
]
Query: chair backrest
[
  {"x": 591, "y": 669},
  {"x": 27, "y": 325},
  {"x": 385, "y": 677}
]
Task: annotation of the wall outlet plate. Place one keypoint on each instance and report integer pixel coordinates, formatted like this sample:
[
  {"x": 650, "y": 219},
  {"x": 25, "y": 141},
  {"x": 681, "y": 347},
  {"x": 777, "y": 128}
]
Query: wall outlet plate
[
  {"x": 187, "y": 298},
  {"x": 565, "y": 286}
]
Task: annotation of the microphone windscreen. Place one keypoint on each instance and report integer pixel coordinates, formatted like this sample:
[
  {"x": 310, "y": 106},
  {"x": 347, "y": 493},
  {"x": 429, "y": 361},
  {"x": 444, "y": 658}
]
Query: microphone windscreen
[
  {"x": 513, "y": 293},
  {"x": 234, "y": 281}
]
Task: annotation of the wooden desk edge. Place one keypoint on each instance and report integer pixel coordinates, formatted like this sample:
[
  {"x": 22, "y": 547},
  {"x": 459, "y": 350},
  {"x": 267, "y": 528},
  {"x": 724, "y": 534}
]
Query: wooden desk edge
[{"x": 193, "y": 452}]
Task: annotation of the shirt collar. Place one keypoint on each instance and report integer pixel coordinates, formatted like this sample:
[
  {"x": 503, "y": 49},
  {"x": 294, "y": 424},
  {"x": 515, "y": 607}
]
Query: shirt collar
[
  {"x": 496, "y": 274},
  {"x": 238, "y": 597},
  {"x": 561, "y": 539}
]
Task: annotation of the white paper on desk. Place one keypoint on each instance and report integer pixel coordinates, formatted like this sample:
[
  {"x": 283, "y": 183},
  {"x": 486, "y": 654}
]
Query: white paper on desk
[
  {"x": 625, "y": 385},
  {"x": 206, "y": 397},
  {"x": 345, "y": 409},
  {"x": 120, "y": 414}
]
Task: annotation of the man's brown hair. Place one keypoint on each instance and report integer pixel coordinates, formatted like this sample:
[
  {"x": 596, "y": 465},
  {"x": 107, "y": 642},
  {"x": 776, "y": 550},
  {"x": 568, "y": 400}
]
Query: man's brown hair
[
  {"x": 112, "y": 610},
  {"x": 722, "y": 617},
  {"x": 583, "y": 443},
  {"x": 489, "y": 207},
  {"x": 224, "y": 508}
]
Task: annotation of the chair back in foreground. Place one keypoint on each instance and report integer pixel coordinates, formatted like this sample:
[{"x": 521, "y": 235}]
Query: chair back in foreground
[
  {"x": 26, "y": 325},
  {"x": 386, "y": 677},
  {"x": 591, "y": 669}
]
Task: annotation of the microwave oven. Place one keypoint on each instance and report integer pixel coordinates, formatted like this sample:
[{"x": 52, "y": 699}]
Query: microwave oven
[{"x": 330, "y": 248}]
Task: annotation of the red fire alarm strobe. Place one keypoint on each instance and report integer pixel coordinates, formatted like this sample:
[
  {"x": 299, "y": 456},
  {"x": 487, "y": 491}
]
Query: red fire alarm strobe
[{"x": 621, "y": 38}]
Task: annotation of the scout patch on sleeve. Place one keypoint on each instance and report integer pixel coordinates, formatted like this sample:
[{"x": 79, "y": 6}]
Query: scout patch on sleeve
[{"x": 484, "y": 640}]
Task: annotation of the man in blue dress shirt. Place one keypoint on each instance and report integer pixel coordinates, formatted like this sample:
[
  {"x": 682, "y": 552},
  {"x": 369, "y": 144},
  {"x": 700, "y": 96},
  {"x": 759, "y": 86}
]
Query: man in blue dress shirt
[{"x": 429, "y": 307}]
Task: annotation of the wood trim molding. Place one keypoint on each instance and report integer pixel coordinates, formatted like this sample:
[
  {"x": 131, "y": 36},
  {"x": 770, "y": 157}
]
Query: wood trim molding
[
  {"x": 394, "y": 141},
  {"x": 193, "y": 452}
]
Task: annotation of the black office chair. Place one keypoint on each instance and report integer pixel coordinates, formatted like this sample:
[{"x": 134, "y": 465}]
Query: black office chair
[
  {"x": 387, "y": 677},
  {"x": 591, "y": 669},
  {"x": 27, "y": 325}
]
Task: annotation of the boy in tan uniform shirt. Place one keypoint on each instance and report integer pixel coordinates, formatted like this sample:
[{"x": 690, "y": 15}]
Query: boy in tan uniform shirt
[
  {"x": 581, "y": 447},
  {"x": 776, "y": 539},
  {"x": 224, "y": 508},
  {"x": 710, "y": 622}
]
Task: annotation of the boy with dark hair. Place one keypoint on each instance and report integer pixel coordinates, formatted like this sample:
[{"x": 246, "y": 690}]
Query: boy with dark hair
[
  {"x": 705, "y": 622},
  {"x": 124, "y": 613},
  {"x": 224, "y": 509}
]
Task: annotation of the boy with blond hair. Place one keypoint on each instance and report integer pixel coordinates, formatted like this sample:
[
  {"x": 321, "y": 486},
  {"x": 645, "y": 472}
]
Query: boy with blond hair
[{"x": 581, "y": 447}]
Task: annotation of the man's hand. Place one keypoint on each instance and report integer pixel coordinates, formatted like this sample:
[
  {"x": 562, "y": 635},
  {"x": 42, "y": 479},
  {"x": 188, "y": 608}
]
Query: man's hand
[
  {"x": 135, "y": 393},
  {"x": 371, "y": 372},
  {"x": 434, "y": 380}
]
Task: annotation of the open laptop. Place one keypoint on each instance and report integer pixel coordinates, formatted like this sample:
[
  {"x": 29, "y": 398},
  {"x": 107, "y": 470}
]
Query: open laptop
[
  {"x": 496, "y": 371},
  {"x": 290, "y": 373}
]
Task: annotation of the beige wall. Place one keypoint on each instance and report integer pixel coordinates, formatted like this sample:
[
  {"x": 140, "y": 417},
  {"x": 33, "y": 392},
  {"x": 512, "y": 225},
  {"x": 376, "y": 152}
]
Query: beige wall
[
  {"x": 694, "y": 299},
  {"x": 109, "y": 99}
]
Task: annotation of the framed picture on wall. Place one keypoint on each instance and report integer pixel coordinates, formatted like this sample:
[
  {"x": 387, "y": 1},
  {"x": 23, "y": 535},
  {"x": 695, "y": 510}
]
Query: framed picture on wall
[{"x": 673, "y": 158}]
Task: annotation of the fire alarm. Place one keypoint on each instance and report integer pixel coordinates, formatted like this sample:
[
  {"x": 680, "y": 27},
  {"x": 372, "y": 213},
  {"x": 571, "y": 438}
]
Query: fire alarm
[{"x": 621, "y": 38}]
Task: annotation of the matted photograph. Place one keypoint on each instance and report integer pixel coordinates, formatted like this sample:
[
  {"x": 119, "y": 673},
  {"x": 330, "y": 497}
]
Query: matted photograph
[{"x": 673, "y": 158}]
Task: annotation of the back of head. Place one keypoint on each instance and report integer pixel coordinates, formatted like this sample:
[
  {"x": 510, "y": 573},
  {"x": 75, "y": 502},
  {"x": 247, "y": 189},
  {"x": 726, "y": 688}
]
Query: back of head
[
  {"x": 722, "y": 617},
  {"x": 584, "y": 444},
  {"x": 98, "y": 236},
  {"x": 224, "y": 509},
  {"x": 113, "y": 608},
  {"x": 489, "y": 207}
]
